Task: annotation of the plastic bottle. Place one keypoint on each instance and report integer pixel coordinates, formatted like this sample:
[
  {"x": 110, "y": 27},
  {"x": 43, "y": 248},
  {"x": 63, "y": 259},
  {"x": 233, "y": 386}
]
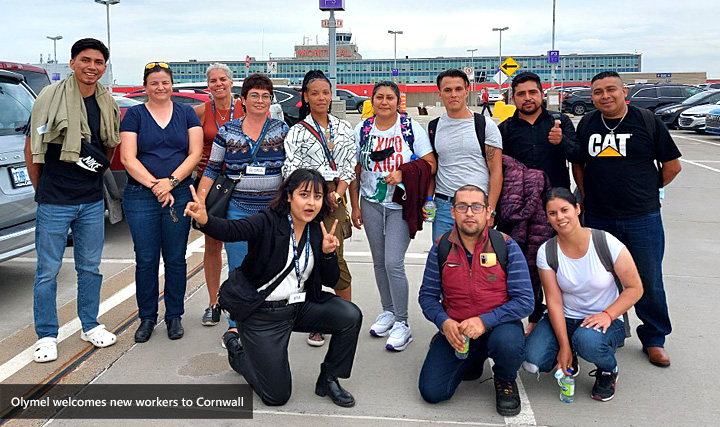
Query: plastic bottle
[
  {"x": 463, "y": 354},
  {"x": 567, "y": 386},
  {"x": 430, "y": 209}
]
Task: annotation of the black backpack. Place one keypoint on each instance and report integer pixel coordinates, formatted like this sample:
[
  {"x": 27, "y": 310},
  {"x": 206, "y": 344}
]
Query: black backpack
[
  {"x": 600, "y": 243},
  {"x": 479, "y": 131},
  {"x": 497, "y": 241}
]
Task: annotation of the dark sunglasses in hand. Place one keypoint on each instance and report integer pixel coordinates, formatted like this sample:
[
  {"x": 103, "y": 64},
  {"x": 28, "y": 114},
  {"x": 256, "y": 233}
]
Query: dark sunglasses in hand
[{"x": 379, "y": 156}]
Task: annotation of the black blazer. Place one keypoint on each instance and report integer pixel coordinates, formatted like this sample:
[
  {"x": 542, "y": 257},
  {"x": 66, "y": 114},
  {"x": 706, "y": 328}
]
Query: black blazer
[{"x": 268, "y": 237}]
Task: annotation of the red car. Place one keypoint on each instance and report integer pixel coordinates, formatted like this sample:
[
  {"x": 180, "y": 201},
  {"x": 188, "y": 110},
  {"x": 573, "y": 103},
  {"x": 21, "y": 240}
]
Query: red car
[
  {"x": 183, "y": 96},
  {"x": 36, "y": 77}
]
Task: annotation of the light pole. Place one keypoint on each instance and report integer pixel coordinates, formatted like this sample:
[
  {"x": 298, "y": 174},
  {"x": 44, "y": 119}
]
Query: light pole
[
  {"x": 55, "y": 39},
  {"x": 500, "y": 30},
  {"x": 107, "y": 4},
  {"x": 395, "y": 34},
  {"x": 472, "y": 83},
  {"x": 552, "y": 74}
]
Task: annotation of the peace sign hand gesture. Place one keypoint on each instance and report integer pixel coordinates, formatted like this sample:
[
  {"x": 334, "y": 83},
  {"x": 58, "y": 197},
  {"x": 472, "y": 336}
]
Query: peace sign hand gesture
[
  {"x": 330, "y": 242},
  {"x": 196, "y": 208}
]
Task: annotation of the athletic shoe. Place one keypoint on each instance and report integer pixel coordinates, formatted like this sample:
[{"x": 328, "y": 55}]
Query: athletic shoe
[
  {"x": 399, "y": 338},
  {"x": 604, "y": 388},
  {"x": 507, "y": 398},
  {"x": 316, "y": 339},
  {"x": 383, "y": 324},
  {"x": 575, "y": 365},
  {"x": 211, "y": 316}
]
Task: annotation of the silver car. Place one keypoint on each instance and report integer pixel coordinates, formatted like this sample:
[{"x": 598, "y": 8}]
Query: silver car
[{"x": 17, "y": 204}]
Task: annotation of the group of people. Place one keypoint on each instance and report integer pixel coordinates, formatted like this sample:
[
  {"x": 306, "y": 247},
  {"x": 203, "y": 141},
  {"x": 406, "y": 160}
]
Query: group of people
[{"x": 284, "y": 226}]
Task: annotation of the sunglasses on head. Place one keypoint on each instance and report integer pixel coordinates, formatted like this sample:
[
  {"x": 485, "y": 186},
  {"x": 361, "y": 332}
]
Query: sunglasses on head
[{"x": 152, "y": 65}]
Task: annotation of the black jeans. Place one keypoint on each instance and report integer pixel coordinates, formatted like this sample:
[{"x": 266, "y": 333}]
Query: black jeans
[{"x": 263, "y": 359}]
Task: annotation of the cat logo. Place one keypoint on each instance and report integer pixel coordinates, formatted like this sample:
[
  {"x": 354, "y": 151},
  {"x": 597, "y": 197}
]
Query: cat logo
[{"x": 611, "y": 145}]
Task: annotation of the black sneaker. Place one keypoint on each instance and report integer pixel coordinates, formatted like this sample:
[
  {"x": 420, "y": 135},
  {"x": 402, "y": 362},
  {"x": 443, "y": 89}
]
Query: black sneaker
[
  {"x": 604, "y": 388},
  {"x": 211, "y": 316},
  {"x": 507, "y": 398},
  {"x": 575, "y": 366}
]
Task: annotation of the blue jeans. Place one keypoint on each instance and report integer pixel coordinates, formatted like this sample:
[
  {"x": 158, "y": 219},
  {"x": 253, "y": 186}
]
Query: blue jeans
[
  {"x": 443, "y": 219},
  {"x": 442, "y": 371},
  {"x": 644, "y": 237},
  {"x": 594, "y": 346},
  {"x": 87, "y": 222},
  {"x": 154, "y": 231}
]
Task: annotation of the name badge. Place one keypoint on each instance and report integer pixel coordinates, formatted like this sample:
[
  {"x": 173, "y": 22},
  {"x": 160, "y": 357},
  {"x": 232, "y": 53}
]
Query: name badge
[
  {"x": 488, "y": 259},
  {"x": 296, "y": 298},
  {"x": 330, "y": 174},
  {"x": 42, "y": 129},
  {"x": 255, "y": 170}
]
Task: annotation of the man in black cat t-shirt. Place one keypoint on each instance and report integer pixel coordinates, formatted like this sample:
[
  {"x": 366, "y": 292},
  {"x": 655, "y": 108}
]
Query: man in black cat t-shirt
[{"x": 619, "y": 183}]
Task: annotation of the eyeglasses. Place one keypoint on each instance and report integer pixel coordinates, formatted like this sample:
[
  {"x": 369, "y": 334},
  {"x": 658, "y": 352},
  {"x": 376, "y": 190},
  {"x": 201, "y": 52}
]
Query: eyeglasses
[
  {"x": 476, "y": 208},
  {"x": 266, "y": 97},
  {"x": 152, "y": 65}
]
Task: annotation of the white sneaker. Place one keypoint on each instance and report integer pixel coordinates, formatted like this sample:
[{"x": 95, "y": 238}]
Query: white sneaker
[
  {"x": 383, "y": 324},
  {"x": 400, "y": 337}
]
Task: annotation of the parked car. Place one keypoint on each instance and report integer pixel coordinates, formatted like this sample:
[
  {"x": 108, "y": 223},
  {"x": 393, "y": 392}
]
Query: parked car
[
  {"x": 694, "y": 118},
  {"x": 353, "y": 101},
  {"x": 653, "y": 96},
  {"x": 192, "y": 97},
  {"x": 290, "y": 100},
  {"x": 712, "y": 122},
  {"x": 710, "y": 85},
  {"x": 578, "y": 102},
  {"x": 494, "y": 95},
  {"x": 669, "y": 114},
  {"x": 35, "y": 77},
  {"x": 17, "y": 204}
]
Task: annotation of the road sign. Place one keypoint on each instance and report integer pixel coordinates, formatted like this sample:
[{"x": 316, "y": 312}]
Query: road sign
[
  {"x": 509, "y": 66},
  {"x": 500, "y": 77},
  {"x": 664, "y": 75},
  {"x": 332, "y": 4},
  {"x": 325, "y": 23},
  {"x": 553, "y": 56},
  {"x": 395, "y": 72},
  {"x": 470, "y": 71},
  {"x": 272, "y": 67},
  {"x": 247, "y": 61}
]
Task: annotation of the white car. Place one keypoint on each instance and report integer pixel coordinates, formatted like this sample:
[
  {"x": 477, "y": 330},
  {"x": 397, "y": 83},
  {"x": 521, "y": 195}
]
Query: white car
[
  {"x": 494, "y": 95},
  {"x": 694, "y": 118}
]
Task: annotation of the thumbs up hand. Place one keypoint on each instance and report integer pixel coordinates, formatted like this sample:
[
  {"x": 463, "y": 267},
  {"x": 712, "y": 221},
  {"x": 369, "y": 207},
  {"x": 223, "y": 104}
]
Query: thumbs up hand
[{"x": 555, "y": 135}]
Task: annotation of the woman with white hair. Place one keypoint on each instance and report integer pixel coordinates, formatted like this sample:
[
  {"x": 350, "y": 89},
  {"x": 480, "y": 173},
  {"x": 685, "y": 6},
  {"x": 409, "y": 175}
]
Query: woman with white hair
[{"x": 213, "y": 114}]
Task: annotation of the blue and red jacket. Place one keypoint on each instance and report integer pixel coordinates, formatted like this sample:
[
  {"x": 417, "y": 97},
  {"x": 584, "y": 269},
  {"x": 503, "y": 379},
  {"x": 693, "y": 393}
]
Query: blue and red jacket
[{"x": 469, "y": 289}]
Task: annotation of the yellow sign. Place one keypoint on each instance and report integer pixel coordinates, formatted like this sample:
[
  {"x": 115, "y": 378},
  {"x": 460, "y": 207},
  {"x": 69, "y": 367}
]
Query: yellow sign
[{"x": 509, "y": 66}]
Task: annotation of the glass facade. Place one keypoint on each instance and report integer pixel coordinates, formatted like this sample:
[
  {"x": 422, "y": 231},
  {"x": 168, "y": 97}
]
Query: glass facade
[{"x": 572, "y": 68}]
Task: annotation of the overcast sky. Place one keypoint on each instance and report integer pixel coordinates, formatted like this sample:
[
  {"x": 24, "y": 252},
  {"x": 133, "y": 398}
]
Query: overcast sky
[{"x": 672, "y": 36}]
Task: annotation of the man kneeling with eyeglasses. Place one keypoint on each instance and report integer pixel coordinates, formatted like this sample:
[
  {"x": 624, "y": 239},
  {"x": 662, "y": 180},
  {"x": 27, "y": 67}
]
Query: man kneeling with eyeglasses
[{"x": 476, "y": 289}]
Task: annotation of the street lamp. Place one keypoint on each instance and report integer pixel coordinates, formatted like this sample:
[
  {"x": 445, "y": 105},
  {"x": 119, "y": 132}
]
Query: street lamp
[
  {"x": 500, "y": 30},
  {"x": 472, "y": 64},
  {"x": 107, "y": 4},
  {"x": 55, "y": 39},
  {"x": 395, "y": 33}
]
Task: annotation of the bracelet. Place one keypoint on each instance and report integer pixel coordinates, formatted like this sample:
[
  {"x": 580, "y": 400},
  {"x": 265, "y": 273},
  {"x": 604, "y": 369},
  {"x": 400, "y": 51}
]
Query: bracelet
[
  {"x": 153, "y": 186},
  {"x": 611, "y": 318}
]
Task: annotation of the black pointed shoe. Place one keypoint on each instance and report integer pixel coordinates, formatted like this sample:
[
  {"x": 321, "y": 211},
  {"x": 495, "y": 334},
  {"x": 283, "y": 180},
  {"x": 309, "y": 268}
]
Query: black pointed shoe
[
  {"x": 175, "y": 329},
  {"x": 144, "y": 331},
  {"x": 329, "y": 386}
]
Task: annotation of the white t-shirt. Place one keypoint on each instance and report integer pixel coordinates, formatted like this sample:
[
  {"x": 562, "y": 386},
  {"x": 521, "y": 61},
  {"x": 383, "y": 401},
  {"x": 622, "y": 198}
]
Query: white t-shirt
[
  {"x": 587, "y": 288},
  {"x": 290, "y": 284},
  {"x": 372, "y": 184}
]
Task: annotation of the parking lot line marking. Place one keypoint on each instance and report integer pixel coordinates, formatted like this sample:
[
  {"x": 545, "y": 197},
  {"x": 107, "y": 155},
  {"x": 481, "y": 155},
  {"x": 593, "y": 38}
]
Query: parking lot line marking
[
  {"x": 698, "y": 164},
  {"x": 697, "y": 140},
  {"x": 377, "y": 418},
  {"x": 705, "y": 161},
  {"x": 411, "y": 255},
  {"x": 72, "y": 260},
  {"x": 25, "y": 357},
  {"x": 526, "y": 417}
]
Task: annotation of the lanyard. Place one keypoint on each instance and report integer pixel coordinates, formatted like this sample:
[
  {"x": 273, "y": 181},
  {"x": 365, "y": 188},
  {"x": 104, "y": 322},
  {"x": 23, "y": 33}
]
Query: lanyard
[
  {"x": 254, "y": 148},
  {"x": 295, "y": 251},
  {"x": 324, "y": 142},
  {"x": 232, "y": 113}
]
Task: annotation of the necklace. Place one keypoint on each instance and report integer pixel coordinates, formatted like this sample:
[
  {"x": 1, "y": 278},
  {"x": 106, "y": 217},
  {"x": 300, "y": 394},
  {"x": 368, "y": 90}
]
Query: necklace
[{"x": 612, "y": 131}]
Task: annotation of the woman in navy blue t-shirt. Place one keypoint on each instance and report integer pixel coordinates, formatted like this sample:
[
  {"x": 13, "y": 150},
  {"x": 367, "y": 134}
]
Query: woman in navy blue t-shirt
[{"x": 161, "y": 144}]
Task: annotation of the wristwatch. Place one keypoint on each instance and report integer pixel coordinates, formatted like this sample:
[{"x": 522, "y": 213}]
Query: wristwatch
[{"x": 173, "y": 181}]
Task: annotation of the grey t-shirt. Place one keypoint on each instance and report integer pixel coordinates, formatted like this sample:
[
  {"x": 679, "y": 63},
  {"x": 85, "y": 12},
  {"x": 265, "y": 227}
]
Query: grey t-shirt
[{"x": 460, "y": 160}]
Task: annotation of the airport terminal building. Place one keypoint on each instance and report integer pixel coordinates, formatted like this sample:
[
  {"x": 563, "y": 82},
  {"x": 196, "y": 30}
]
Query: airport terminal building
[{"x": 354, "y": 70}]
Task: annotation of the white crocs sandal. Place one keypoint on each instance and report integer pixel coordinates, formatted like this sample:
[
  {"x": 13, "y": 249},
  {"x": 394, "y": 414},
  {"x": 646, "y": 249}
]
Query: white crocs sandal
[
  {"x": 45, "y": 350},
  {"x": 99, "y": 336}
]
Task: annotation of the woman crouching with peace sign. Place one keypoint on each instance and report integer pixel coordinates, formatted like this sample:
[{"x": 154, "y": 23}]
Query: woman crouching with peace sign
[{"x": 277, "y": 289}]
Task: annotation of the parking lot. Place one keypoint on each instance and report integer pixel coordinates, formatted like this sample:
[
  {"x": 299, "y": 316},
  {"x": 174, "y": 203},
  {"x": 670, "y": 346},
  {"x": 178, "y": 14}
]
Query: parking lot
[{"x": 385, "y": 383}]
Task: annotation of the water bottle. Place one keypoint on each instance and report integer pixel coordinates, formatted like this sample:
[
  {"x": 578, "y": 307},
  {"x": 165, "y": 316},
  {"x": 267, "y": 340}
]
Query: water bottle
[
  {"x": 430, "y": 209},
  {"x": 567, "y": 386},
  {"x": 464, "y": 353}
]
